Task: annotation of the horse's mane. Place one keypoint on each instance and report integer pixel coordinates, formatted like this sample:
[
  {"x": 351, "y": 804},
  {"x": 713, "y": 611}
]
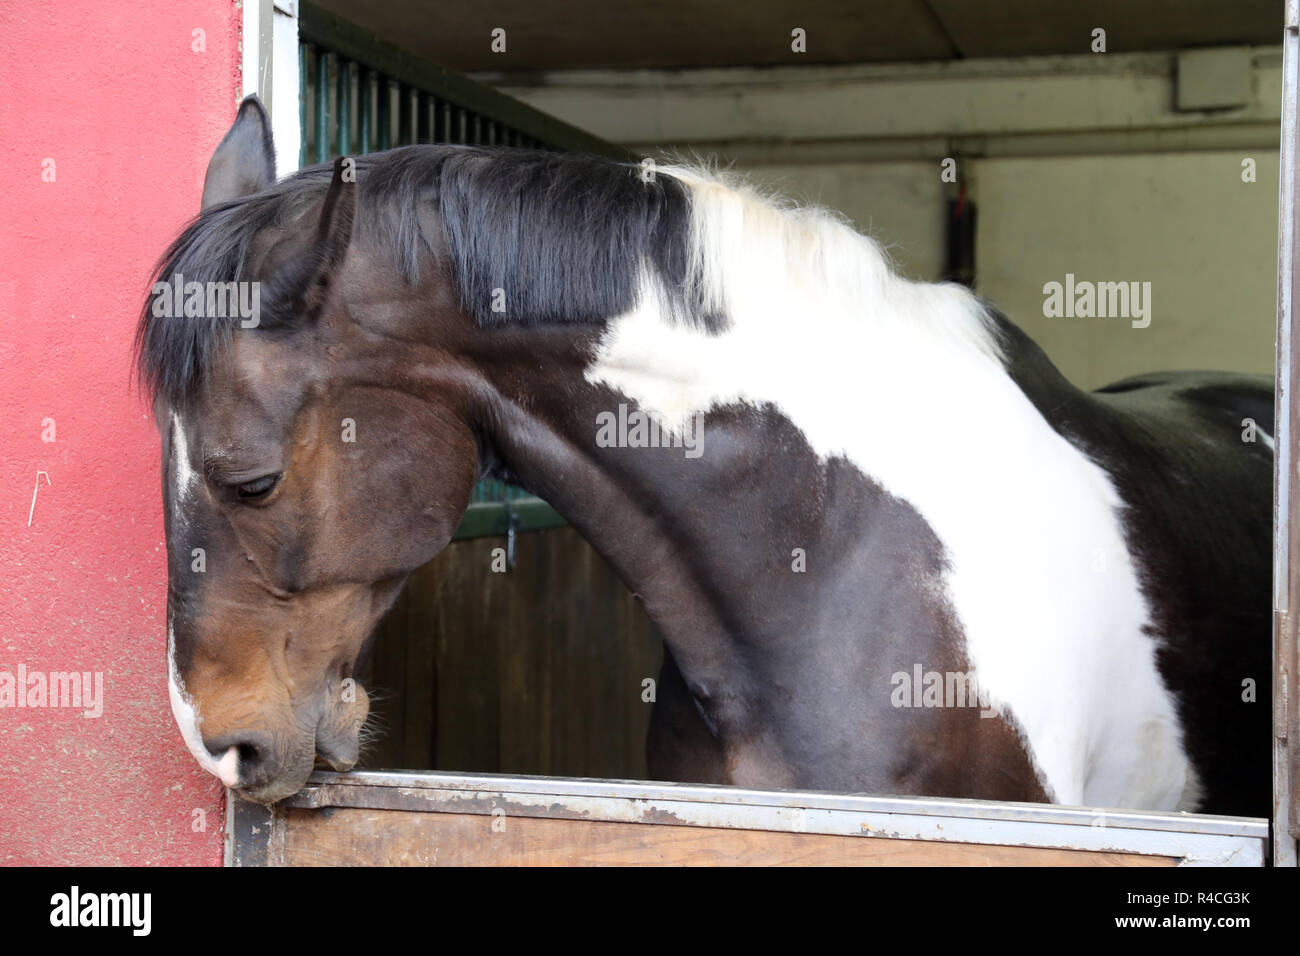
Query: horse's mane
[{"x": 565, "y": 238}]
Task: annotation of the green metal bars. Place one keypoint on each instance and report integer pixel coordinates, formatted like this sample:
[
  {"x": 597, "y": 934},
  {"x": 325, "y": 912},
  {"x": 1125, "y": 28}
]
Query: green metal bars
[
  {"x": 360, "y": 94},
  {"x": 349, "y": 108}
]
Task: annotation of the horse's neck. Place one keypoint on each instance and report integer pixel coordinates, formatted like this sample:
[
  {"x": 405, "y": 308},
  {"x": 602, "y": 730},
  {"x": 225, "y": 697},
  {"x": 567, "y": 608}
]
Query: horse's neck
[
  {"x": 932, "y": 422},
  {"x": 834, "y": 450}
]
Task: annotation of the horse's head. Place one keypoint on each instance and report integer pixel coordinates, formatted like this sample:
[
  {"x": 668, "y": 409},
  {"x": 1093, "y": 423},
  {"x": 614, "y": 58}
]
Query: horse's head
[{"x": 302, "y": 480}]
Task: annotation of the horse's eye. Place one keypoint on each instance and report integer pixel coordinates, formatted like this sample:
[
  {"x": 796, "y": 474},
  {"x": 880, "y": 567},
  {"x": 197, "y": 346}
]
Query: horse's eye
[{"x": 257, "y": 488}]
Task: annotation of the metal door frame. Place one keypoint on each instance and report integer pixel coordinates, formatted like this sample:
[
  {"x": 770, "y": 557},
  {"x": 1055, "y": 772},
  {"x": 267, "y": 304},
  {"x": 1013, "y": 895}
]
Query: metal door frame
[{"x": 1286, "y": 524}]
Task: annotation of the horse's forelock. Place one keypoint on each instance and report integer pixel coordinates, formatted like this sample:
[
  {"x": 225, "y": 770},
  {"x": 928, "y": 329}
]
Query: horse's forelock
[{"x": 551, "y": 237}]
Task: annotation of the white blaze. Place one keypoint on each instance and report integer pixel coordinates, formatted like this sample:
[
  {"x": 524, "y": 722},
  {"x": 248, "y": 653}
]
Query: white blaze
[
  {"x": 187, "y": 718},
  {"x": 183, "y": 708}
]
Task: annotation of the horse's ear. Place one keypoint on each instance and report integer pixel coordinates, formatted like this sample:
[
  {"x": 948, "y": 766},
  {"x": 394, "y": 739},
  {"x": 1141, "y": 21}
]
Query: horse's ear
[
  {"x": 244, "y": 162},
  {"x": 300, "y": 285},
  {"x": 339, "y": 209}
]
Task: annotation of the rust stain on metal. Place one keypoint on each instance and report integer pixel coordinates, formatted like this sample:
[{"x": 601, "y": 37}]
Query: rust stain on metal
[{"x": 653, "y": 814}]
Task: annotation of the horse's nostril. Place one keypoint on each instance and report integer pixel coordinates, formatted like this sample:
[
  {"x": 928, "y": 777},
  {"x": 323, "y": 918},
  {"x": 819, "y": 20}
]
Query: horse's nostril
[{"x": 253, "y": 753}]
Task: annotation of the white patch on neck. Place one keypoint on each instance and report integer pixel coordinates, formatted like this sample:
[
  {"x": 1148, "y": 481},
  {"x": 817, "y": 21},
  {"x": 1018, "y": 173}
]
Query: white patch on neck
[
  {"x": 183, "y": 708},
  {"x": 904, "y": 380}
]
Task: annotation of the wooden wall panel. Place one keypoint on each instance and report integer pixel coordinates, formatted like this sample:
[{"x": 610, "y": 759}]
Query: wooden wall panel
[
  {"x": 536, "y": 670},
  {"x": 350, "y": 836}
]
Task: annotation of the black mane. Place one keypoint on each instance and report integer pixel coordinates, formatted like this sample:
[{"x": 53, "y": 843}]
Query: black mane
[{"x": 563, "y": 236}]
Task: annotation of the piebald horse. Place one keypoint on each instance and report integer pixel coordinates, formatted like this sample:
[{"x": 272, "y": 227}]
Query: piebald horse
[{"x": 890, "y": 479}]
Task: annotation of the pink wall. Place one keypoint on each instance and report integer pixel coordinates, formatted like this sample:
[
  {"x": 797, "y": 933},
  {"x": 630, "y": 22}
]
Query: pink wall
[{"x": 130, "y": 113}]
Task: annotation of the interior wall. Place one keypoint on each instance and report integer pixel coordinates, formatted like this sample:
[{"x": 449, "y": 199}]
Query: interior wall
[
  {"x": 1078, "y": 165},
  {"x": 1186, "y": 223}
]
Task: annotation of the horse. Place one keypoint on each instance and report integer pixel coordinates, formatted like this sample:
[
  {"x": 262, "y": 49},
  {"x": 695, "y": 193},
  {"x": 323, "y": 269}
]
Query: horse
[{"x": 891, "y": 499}]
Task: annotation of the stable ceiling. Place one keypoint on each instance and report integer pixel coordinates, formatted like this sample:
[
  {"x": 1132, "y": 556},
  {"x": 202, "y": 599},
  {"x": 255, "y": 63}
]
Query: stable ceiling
[{"x": 593, "y": 34}]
